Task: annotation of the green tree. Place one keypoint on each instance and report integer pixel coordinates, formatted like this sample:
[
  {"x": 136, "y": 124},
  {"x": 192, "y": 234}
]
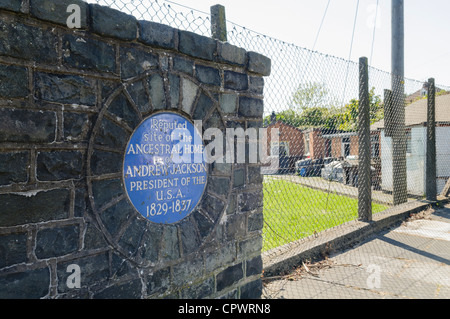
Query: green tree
[
  {"x": 312, "y": 108},
  {"x": 347, "y": 118},
  {"x": 311, "y": 95}
]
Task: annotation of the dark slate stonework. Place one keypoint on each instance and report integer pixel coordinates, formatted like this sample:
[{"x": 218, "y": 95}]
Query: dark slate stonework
[
  {"x": 69, "y": 102},
  {"x": 69, "y": 89},
  {"x": 256, "y": 85},
  {"x": 259, "y": 63},
  {"x": 228, "y": 103},
  {"x": 27, "y": 42},
  {"x": 13, "y": 5},
  {"x": 93, "y": 238},
  {"x": 128, "y": 290},
  {"x": 33, "y": 284},
  {"x": 116, "y": 216},
  {"x": 13, "y": 167},
  {"x": 157, "y": 91},
  {"x": 204, "y": 105},
  {"x": 76, "y": 126},
  {"x": 27, "y": 126},
  {"x": 250, "y": 201},
  {"x": 95, "y": 269},
  {"x": 219, "y": 185},
  {"x": 132, "y": 237},
  {"x": 152, "y": 238},
  {"x": 122, "y": 110},
  {"x": 56, "y": 11},
  {"x": 158, "y": 35},
  {"x": 134, "y": 61},
  {"x": 21, "y": 209},
  {"x": 59, "y": 165},
  {"x": 54, "y": 242},
  {"x": 197, "y": 46},
  {"x": 239, "y": 178},
  {"x": 158, "y": 281},
  {"x": 174, "y": 82},
  {"x": 112, "y": 23},
  {"x": 254, "y": 175},
  {"x": 107, "y": 189},
  {"x": 139, "y": 94},
  {"x": 229, "y": 276},
  {"x": 13, "y": 81},
  {"x": 208, "y": 75},
  {"x": 13, "y": 249},
  {"x": 183, "y": 65},
  {"x": 231, "y": 54},
  {"x": 252, "y": 290},
  {"x": 190, "y": 237},
  {"x": 87, "y": 53},
  {"x": 199, "y": 291},
  {"x": 111, "y": 135},
  {"x": 254, "y": 266},
  {"x": 236, "y": 81},
  {"x": 251, "y": 107},
  {"x": 106, "y": 162}
]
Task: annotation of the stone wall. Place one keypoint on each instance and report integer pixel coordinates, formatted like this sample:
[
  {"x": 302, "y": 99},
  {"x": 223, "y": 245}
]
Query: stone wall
[{"x": 69, "y": 101}]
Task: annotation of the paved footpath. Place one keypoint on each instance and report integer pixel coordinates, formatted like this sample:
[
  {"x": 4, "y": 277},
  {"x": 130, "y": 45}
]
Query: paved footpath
[{"x": 408, "y": 262}]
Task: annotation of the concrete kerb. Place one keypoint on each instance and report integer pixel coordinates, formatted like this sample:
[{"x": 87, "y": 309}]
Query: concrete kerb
[{"x": 281, "y": 260}]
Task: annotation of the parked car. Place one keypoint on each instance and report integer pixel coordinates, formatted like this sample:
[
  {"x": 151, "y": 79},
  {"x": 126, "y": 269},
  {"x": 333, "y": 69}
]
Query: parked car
[
  {"x": 346, "y": 172},
  {"x": 311, "y": 168},
  {"x": 333, "y": 171}
]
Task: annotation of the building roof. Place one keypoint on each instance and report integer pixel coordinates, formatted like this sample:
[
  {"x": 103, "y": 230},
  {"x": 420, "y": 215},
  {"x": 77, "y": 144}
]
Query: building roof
[
  {"x": 416, "y": 113},
  {"x": 419, "y": 94},
  {"x": 340, "y": 135}
]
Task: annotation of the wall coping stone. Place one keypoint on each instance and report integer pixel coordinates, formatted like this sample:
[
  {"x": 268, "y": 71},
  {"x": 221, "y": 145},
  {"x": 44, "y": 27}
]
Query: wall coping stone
[{"x": 108, "y": 22}]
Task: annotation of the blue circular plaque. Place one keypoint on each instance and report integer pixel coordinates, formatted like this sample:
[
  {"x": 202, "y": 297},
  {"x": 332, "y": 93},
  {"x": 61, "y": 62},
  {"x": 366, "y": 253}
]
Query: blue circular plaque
[{"x": 164, "y": 170}]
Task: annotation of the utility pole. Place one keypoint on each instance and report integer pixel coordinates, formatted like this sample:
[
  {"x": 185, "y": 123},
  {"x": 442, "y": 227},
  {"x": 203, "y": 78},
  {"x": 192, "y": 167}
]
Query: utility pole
[
  {"x": 398, "y": 41},
  {"x": 364, "y": 172},
  {"x": 398, "y": 103},
  {"x": 431, "y": 187}
]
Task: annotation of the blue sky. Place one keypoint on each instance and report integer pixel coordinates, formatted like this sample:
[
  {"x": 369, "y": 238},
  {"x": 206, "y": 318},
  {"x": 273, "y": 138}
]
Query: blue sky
[{"x": 427, "y": 51}]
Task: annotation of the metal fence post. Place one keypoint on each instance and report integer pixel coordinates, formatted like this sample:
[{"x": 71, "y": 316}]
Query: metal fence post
[
  {"x": 218, "y": 23},
  {"x": 364, "y": 169},
  {"x": 388, "y": 114},
  {"x": 431, "y": 188},
  {"x": 399, "y": 162}
]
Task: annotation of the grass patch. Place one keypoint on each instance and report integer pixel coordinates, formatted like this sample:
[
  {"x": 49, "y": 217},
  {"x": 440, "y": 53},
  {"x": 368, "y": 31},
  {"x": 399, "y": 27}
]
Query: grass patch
[{"x": 293, "y": 212}]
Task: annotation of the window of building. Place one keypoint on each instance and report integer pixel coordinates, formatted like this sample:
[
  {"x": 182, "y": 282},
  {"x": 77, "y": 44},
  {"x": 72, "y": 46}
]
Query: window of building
[
  {"x": 279, "y": 149},
  {"x": 408, "y": 142},
  {"x": 328, "y": 150},
  {"x": 307, "y": 146},
  {"x": 346, "y": 147},
  {"x": 375, "y": 146}
]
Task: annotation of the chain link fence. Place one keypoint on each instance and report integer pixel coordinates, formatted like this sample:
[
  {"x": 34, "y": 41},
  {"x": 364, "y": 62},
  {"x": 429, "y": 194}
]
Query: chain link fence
[{"x": 313, "y": 102}]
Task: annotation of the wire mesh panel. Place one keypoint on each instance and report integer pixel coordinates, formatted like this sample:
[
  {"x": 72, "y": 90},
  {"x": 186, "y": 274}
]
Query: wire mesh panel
[{"x": 313, "y": 102}]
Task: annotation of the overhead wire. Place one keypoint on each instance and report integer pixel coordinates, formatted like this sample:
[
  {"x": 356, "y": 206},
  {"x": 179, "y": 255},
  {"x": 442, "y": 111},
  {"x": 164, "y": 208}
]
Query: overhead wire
[
  {"x": 351, "y": 50},
  {"x": 321, "y": 24},
  {"x": 353, "y": 33},
  {"x": 315, "y": 41},
  {"x": 374, "y": 31}
]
